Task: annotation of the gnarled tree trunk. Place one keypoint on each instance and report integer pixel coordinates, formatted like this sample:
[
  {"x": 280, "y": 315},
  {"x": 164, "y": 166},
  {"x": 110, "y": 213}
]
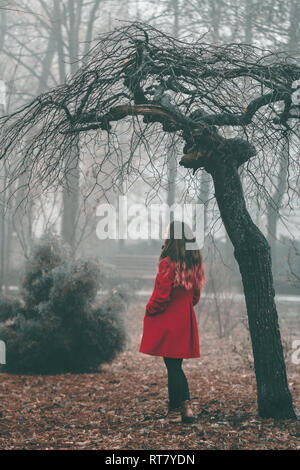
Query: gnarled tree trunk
[{"x": 252, "y": 253}]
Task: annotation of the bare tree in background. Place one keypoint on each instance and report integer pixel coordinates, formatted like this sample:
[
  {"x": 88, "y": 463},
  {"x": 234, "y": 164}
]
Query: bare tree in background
[
  {"x": 153, "y": 81},
  {"x": 280, "y": 179},
  {"x": 59, "y": 32}
]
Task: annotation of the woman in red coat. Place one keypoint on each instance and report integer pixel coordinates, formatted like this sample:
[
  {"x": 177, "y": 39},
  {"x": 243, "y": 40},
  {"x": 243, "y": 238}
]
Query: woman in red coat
[{"x": 170, "y": 326}]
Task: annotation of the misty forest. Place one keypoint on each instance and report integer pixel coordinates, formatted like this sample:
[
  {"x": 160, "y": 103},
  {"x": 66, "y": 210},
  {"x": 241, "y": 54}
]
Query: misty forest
[{"x": 114, "y": 110}]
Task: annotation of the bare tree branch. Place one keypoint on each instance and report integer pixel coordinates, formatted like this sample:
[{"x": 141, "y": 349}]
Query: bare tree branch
[{"x": 191, "y": 88}]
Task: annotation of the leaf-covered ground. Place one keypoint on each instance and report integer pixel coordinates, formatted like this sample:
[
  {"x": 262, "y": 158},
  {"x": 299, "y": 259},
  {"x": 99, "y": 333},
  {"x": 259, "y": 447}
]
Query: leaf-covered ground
[{"x": 124, "y": 405}]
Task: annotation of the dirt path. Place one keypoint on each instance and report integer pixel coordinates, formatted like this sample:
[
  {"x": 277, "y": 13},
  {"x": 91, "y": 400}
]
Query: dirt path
[{"x": 124, "y": 406}]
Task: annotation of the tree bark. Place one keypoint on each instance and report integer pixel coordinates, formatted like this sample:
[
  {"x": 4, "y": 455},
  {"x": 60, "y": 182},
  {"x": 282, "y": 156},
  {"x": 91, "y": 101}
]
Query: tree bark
[
  {"x": 71, "y": 197},
  {"x": 171, "y": 155},
  {"x": 72, "y": 158},
  {"x": 252, "y": 253}
]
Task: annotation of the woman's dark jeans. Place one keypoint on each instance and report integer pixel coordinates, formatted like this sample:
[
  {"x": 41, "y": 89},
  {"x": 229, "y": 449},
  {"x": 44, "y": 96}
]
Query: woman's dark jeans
[{"x": 177, "y": 384}]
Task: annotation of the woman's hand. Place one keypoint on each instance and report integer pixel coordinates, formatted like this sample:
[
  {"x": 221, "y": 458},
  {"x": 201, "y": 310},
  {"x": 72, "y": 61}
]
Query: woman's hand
[{"x": 161, "y": 296}]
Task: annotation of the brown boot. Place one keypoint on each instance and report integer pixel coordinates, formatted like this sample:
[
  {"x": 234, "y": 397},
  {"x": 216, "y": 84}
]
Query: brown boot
[{"x": 187, "y": 414}]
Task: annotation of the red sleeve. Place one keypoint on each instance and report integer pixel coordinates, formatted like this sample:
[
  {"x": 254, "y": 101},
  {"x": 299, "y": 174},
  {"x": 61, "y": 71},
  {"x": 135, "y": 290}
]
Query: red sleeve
[{"x": 161, "y": 296}]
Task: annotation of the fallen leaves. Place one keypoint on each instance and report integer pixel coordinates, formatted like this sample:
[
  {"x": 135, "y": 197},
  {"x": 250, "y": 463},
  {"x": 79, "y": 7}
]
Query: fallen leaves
[{"x": 124, "y": 406}]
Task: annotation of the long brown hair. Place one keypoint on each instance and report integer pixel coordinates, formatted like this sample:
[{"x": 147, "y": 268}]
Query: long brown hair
[{"x": 189, "y": 270}]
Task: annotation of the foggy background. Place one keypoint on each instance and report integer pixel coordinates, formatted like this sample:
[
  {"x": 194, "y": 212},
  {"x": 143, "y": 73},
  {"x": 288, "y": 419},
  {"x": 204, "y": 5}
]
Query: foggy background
[{"x": 41, "y": 43}]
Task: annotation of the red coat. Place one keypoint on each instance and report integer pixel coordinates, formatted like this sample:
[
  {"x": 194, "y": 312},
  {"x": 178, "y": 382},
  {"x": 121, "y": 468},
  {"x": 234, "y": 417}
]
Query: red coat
[{"x": 170, "y": 326}]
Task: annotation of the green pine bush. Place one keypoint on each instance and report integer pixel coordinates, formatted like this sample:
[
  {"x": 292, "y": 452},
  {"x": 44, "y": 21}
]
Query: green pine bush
[
  {"x": 60, "y": 328},
  {"x": 9, "y": 308}
]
